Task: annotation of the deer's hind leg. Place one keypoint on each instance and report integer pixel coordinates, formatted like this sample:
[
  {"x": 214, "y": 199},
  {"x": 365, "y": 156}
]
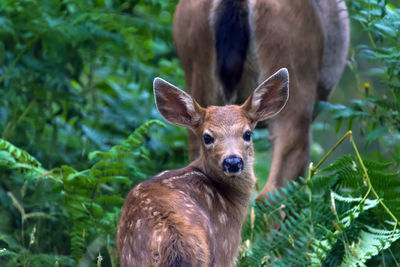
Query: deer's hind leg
[{"x": 289, "y": 34}]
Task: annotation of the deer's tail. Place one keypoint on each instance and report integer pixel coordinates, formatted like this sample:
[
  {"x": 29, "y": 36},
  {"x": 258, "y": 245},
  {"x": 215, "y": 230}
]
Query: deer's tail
[{"x": 232, "y": 37}]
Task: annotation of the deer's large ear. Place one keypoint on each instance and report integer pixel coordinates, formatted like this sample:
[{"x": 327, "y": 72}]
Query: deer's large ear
[
  {"x": 175, "y": 105},
  {"x": 269, "y": 98}
]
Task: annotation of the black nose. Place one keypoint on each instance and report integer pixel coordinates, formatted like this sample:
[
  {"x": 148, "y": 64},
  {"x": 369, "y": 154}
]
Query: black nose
[{"x": 232, "y": 164}]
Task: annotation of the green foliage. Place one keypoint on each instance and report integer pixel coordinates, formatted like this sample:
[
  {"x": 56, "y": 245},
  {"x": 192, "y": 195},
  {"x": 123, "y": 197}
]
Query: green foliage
[
  {"x": 328, "y": 219},
  {"x": 80, "y": 206},
  {"x": 76, "y": 76},
  {"x": 377, "y": 114}
]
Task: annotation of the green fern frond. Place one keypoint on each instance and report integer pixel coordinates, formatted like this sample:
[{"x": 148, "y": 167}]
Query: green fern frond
[
  {"x": 321, "y": 182},
  {"x": 77, "y": 237},
  {"x": 133, "y": 142},
  {"x": 377, "y": 166},
  {"x": 268, "y": 246},
  {"x": 371, "y": 241},
  {"x": 340, "y": 163},
  {"x": 349, "y": 177},
  {"x": 322, "y": 248},
  {"x": 10, "y": 154},
  {"x": 346, "y": 170},
  {"x": 382, "y": 180},
  {"x": 90, "y": 211},
  {"x": 270, "y": 211},
  {"x": 347, "y": 217}
]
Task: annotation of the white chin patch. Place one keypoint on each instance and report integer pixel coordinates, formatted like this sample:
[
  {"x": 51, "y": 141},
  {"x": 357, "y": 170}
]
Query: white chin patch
[{"x": 232, "y": 174}]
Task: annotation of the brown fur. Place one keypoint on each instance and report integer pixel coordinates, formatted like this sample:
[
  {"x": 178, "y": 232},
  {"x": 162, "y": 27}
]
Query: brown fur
[
  {"x": 309, "y": 37},
  {"x": 180, "y": 216},
  {"x": 193, "y": 216}
]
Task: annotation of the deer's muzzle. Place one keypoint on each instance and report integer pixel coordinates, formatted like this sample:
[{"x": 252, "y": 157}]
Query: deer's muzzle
[{"x": 232, "y": 164}]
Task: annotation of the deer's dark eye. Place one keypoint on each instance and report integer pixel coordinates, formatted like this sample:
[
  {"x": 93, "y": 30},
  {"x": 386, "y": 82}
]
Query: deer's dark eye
[
  {"x": 247, "y": 136},
  {"x": 208, "y": 139}
]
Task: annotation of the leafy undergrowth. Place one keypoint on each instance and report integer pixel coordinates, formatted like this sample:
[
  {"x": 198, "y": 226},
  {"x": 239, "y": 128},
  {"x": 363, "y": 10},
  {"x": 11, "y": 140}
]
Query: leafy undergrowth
[
  {"x": 343, "y": 215},
  {"x": 64, "y": 216}
]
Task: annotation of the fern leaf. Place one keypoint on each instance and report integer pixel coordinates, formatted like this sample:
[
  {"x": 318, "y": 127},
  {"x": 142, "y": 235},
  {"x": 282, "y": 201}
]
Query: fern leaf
[
  {"x": 370, "y": 242},
  {"x": 13, "y": 154}
]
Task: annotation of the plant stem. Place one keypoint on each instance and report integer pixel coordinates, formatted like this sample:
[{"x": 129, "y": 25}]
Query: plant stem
[
  {"x": 314, "y": 169},
  {"x": 371, "y": 188}
]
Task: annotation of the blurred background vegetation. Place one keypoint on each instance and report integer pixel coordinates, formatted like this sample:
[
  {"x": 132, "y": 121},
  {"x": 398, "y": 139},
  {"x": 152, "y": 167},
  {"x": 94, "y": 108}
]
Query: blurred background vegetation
[{"x": 76, "y": 100}]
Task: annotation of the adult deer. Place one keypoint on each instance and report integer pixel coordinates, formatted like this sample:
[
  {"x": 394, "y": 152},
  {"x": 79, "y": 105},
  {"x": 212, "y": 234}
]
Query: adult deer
[
  {"x": 193, "y": 216},
  {"x": 226, "y": 47}
]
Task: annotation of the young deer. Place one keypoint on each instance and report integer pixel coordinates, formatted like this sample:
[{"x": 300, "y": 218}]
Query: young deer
[{"x": 193, "y": 216}]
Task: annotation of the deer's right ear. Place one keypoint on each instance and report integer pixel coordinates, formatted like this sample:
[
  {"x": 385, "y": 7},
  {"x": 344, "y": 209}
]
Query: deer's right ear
[
  {"x": 269, "y": 98},
  {"x": 175, "y": 105}
]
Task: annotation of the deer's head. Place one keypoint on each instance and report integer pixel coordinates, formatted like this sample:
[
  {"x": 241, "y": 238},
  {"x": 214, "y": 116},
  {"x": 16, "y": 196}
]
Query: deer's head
[{"x": 225, "y": 131}]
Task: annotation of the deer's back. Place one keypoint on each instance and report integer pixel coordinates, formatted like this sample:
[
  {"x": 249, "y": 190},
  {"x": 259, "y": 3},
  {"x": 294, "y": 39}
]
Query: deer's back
[{"x": 167, "y": 221}]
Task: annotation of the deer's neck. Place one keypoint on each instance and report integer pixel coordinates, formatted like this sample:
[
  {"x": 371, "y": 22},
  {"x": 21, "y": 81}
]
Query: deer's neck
[{"x": 236, "y": 189}]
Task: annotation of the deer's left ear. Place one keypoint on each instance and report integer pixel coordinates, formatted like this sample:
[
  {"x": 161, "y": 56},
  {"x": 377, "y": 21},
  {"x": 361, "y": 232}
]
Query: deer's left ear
[
  {"x": 175, "y": 105},
  {"x": 269, "y": 98}
]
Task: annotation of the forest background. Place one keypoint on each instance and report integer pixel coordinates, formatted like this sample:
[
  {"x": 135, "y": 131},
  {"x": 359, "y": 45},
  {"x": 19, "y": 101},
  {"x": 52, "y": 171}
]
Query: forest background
[{"x": 79, "y": 128}]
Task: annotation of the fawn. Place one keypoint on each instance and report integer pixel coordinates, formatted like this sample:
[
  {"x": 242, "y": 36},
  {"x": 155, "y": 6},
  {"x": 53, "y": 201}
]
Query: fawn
[
  {"x": 193, "y": 216},
  {"x": 227, "y": 47}
]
